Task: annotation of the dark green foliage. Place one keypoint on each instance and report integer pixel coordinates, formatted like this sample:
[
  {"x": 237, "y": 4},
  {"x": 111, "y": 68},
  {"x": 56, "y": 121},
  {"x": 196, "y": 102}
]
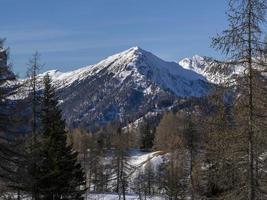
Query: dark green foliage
[
  {"x": 147, "y": 135},
  {"x": 61, "y": 177},
  {"x": 10, "y": 160}
]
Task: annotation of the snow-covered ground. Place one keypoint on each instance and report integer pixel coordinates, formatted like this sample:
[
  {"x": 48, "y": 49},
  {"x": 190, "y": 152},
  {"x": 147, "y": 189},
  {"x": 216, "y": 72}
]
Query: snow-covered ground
[
  {"x": 138, "y": 159},
  {"x": 107, "y": 196},
  {"x": 116, "y": 197}
]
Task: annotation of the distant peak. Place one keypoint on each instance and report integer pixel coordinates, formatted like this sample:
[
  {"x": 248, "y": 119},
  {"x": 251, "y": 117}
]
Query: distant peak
[
  {"x": 186, "y": 63},
  {"x": 132, "y": 52},
  {"x": 136, "y": 48},
  {"x": 192, "y": 62},
  {"x": 198, "y": 58}
]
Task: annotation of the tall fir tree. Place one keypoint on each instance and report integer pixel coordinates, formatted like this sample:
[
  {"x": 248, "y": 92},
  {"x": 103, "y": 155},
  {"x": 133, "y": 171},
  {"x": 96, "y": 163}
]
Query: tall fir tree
[
  {"x": 11, "y": 160},
  {"x": 61, "y": 176},
  {"x": 147, "y": 135}
]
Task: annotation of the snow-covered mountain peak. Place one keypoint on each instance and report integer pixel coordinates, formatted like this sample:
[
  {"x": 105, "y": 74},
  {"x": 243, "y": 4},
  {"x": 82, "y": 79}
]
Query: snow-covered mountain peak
[
  {"x": 196, "y": 63},
  {"x": 135, "y": 49},
  {"x": 186, "y": 63},
  {"x": 126, "y": 85},
  {"x": 136, "y": 64},
  {"x": 198, "y": 58},
  {"x": 211, "y": 71},
  {"x": 143, "y": 66}
]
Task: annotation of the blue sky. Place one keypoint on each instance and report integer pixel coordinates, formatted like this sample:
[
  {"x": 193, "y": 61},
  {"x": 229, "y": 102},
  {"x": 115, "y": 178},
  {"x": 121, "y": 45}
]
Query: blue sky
[{"x": 73, "y": 33}]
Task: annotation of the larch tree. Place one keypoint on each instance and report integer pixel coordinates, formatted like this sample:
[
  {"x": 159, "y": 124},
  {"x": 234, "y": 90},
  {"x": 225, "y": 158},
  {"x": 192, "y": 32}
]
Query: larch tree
[
  {"x": 243, "y": 43},
  {"x": 176, "y": 134},
  {"x": 168, "y": 133},
  {"x": 32, "y": 145},
  {"x": 222, "y": 153},
  {"x": 120, "y": 162},
  {"x": 191, "y": 142}
]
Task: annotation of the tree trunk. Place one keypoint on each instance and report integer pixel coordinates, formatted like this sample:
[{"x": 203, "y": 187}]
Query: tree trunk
[
  {"x": 250, "y": 123},
  {"x": 191, "y": 176}
]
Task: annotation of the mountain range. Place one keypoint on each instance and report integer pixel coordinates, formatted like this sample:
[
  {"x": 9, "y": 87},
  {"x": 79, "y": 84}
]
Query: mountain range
[{"x": 128, "y": 85}]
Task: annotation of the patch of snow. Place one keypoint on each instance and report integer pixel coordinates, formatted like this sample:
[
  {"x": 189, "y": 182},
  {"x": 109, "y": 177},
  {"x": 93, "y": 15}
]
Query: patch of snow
[{"x": 116, "y": 197}]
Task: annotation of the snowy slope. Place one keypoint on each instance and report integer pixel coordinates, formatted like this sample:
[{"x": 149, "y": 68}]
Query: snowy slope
[
  {"x": 103, "y": 196},
  {"x": 209, "y": 70},
  {"x": 141, "y": 66},
  {"x": 123, "y": 87},
  {"x": 138, "y": 160},
  {"x": 115, "y": 197}
]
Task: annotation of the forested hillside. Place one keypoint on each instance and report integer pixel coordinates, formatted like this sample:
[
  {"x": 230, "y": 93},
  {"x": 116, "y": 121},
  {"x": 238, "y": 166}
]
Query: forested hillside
[{"x": 134, "y": 126}]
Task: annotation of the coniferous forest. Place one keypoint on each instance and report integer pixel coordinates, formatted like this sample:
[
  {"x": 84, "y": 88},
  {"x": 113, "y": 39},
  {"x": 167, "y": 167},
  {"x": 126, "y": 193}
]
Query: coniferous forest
[{"x": 98, "y": 137}]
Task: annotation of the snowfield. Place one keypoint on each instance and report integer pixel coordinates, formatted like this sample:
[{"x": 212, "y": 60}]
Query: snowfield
[
  {"x": 116, "y": 197},
  {"x": 209, "y": 70},
  {"x": 107, "y": 196}
]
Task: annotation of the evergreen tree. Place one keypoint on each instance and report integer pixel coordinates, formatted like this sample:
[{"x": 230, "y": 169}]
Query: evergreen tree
[
  {"x": 12, "y": 161},
  {"x": 61, "y": 176},
  {"x": 6, "y": 75},
  {"x": 147, "y": 135}
]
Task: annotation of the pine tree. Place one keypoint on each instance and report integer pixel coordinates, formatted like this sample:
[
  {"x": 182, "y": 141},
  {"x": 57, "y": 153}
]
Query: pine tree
[
  {"x": 147, "y": 135},
  {"x": 61, "y": 176},
  {"x": 242, "y": 42},
  {"x": 12, "y": 160},
  {"x": 5, "y": 75}
]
